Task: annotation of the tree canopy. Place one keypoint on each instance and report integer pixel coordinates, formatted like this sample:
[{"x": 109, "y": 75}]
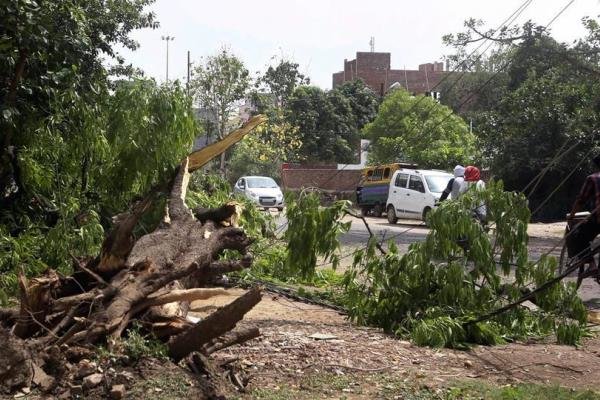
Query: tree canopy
[
  {"x": 419, "y": 130},
  {"x": 329, "y": 123},
  {"x": 81, "y": 141},
  {"x": 220, "y": 82},
  {"x": 542, "y": 102}
]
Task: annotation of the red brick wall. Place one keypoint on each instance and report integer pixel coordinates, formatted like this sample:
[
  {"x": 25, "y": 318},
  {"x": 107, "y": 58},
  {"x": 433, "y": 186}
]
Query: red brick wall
[
  {"x": 338, "y": 79},
  {"x": 417, "y": 80},
  {"x": 374, "y": 70},
  {"x": 325, "y": 179}
]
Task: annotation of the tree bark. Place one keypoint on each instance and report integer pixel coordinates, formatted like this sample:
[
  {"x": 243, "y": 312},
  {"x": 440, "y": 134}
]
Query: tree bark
[
  {"x": 230, "y": 339},
  {"x": 216, "y": 324}
]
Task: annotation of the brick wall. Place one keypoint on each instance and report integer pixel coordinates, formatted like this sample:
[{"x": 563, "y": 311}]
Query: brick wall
[
  {"x": 338, "y": 79},
  {"x": 417, "y": 80},
  {"x": 326, "y": 179},
  {"x": 374, "y": 69}
]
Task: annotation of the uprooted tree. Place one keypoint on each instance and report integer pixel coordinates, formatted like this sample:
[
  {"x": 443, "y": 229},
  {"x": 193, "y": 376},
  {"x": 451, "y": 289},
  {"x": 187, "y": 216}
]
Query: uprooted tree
[{"x": 150, "y": 280}]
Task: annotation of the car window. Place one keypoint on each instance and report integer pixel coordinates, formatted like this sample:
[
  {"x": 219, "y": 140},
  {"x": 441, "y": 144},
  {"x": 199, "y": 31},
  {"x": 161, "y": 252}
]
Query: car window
[
  {"x": 401, "y": 180},
  {"x": 261, "y": 182},
  {"x": 242, "y": 182},
  {"x": 437, "y": 183},
  {"x": 416, "y": 184},
  {"x": 386, "y": 173}
]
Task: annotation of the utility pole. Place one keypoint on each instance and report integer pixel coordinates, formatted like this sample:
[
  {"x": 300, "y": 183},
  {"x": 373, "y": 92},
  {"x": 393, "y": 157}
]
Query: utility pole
[
  {"x": 189, "y": 66},
  {"x": 372, "y": 44},
  {"x": 168, "y": 39}
]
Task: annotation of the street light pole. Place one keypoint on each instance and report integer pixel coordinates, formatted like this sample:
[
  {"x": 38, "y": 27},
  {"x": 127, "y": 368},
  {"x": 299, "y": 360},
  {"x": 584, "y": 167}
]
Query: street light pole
[{"x": 168, "y": 39}]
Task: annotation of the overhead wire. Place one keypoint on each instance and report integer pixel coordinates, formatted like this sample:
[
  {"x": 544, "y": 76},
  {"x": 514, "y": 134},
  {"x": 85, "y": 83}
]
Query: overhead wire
[{"x": 508, "y": 20}]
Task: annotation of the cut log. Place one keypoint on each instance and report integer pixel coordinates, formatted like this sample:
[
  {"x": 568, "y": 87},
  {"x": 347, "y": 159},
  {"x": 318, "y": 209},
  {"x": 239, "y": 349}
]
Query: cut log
[
  {"x": 230, "y": 338},
  {"x": 213, "y": 326},
  {"x": 184, "y": 295},
  {"x": 35, "y": 296}
]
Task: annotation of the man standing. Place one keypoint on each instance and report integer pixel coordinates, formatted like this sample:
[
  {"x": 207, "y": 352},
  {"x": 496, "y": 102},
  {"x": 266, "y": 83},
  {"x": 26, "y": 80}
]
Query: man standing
[{"x": 578, "y": 241}]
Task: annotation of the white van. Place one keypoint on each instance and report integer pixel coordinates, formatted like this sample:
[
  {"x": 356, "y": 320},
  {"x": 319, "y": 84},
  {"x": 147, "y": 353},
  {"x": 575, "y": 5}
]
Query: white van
[{"x": 413, "y": 193}]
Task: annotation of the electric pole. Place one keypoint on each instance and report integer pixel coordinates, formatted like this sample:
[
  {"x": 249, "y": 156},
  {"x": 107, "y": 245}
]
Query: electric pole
[
  {"x": 168, "y": 39},
  {"x": 189, "y": 65}
]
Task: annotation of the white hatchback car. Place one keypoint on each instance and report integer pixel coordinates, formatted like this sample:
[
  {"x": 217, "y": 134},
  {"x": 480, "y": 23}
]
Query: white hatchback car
[
  {"x": 262, "y": 190},
  {"x": 413, "y": 193}
]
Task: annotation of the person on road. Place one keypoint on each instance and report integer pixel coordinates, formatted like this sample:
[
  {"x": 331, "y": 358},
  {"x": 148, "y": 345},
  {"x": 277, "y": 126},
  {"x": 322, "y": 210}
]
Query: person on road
[
  {"x": 579, "y": 239},
  {"x": 473, "y": 180},
  {"x": 454, "y": 185}
]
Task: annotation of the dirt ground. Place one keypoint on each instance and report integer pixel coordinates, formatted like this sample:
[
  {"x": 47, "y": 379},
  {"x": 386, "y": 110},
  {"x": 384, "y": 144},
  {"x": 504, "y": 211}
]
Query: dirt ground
[
  {"x": 317, "y": 351},
  {"x": 312, "y": 350}
]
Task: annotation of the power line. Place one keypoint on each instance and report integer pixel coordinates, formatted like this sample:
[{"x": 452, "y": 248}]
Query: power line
[{"x": 510, "y": 19}]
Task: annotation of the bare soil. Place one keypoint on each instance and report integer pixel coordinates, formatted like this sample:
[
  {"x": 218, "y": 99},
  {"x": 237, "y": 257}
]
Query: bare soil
[{"x": 360, "y": 362}]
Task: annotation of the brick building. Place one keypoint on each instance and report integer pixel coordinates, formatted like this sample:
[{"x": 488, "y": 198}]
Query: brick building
[{"x": 375, "y": 70}]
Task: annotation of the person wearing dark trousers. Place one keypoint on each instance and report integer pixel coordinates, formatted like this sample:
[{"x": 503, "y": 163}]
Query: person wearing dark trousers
[{"x": 578, "y": 241}]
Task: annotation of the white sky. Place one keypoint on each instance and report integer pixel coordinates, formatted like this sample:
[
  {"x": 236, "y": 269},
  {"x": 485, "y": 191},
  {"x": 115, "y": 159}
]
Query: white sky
[{"x": 319, "y": 34}]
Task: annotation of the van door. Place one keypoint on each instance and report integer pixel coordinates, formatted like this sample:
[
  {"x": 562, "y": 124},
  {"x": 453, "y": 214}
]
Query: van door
[
  {"x": 397, "y": 195},
  {"x": 415, "y": 197}
]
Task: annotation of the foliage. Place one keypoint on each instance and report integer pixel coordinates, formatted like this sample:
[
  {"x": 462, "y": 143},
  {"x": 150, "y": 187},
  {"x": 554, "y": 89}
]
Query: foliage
[
  {"x": 520, "y": 391},
  {"x": 329, "y": 123},
  {"x": 52, "y": 55},
  {"x": 84, "y": 164},
  {"x": 138, "y": 345},
  {"x": 77, "y": 143},
  {"x": 262, "y": 152},
  {"x": 312, "y": 232},
  {"x": 219, "y": 83},
  {"x": 541, "y": 102},
  {"x": 419, "y": 130},
  {"x": 434, "y": 290},
  {"x": 281, "y": 81}
]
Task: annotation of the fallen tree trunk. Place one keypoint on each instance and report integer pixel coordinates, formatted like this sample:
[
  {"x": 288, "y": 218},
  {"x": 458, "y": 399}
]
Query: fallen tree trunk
[{"x": 151, "y": 280}]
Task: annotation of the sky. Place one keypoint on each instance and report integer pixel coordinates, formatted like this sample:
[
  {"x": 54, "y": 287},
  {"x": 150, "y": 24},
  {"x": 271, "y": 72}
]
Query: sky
[{"x": 320, "y": 34}]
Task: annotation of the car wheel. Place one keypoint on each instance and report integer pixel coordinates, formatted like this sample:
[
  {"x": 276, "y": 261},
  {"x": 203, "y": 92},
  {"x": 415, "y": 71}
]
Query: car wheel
[
  {"x": 426, "y": 212},
  {"x": 377, "y": 210},
  {"x": 391, "y": 214},
  {"x": 364, "y": 211}
]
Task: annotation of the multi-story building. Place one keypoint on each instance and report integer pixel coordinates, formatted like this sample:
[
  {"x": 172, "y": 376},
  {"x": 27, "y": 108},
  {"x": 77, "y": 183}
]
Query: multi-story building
[{"x": 374, "y": 69}]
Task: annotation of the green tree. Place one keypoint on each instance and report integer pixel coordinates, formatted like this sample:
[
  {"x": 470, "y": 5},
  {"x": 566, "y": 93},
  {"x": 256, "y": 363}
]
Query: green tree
[
  {"x": 219, "y": 83},
  {"x": 50, "y": 54},
  {"x": 329, "y": 123},
  {"x": 281, "y": 81},
  {"x": 263, "y": 151},
  {"x": 435, "y": 291},
  {"x": 79, "y": 142},
  {"x": 542, "y": 102},
  {"x": 419, "y": 130}
]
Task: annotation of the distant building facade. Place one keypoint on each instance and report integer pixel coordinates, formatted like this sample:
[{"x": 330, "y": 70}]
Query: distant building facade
[{"x": 374, "y": 69}]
